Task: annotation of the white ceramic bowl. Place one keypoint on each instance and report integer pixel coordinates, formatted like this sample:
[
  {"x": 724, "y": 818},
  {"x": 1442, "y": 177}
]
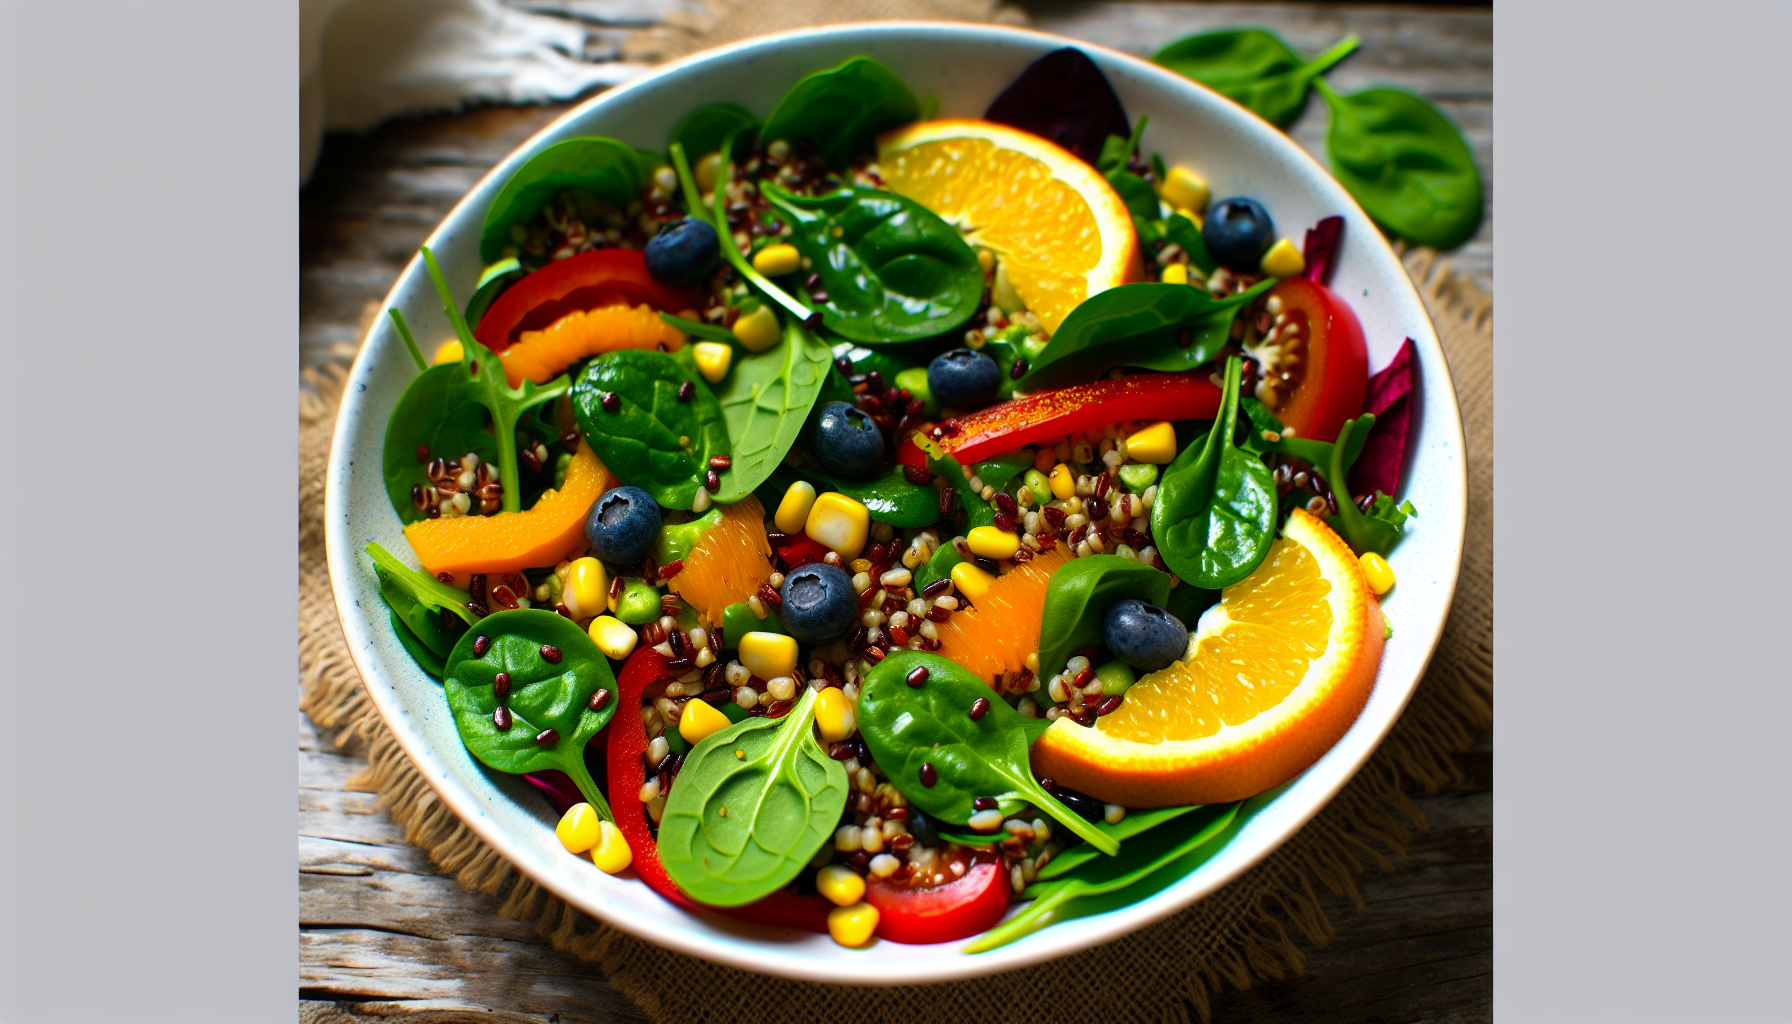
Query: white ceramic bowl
[{"x": 965, "y": 66}]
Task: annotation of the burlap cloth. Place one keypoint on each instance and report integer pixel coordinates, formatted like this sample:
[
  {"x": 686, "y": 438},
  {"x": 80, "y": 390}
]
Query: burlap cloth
[{"x": 1237, "y": 936}]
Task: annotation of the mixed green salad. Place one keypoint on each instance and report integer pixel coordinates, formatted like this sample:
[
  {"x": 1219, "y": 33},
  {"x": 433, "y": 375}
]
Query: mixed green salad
[{"x": 796, "y": 506}]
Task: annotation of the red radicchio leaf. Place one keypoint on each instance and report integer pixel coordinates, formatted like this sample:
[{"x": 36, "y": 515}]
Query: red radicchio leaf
[
  {"x": 557, "y": 787},
  {"x": 1063, "y": 97},
  {"x": 1389, "y": 397},
  {"x": 1322, "y": 245}
]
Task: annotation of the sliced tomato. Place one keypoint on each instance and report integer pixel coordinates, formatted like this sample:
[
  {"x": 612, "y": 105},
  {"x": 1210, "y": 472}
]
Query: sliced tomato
[
  {"x": 1334, "y": 368},
  {"x": 600, "y": 277},
  {"x": 1005, "y": 426},
  {"x": 961, "y": 908},
  {"x": 627, "y": 744}
]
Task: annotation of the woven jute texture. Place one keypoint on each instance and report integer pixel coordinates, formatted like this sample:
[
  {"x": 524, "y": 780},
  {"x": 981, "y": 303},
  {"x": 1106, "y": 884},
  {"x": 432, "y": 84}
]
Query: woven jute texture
[{"x": 1167, "y": 972}]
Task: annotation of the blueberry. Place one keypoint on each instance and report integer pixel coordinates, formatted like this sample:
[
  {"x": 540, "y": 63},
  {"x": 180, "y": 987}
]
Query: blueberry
[
  {"x": 1238, "y": 232},
  {"x": 683, "y": 253},
  {"x": 926, "y": 830},
  {"x": 1144, "y": 635},
  {"x": 623, "y": 525},
  {"x": 819, "y": 605},
  {"x": 846, "y": 442},
  {"x": 963, "y": 379}
]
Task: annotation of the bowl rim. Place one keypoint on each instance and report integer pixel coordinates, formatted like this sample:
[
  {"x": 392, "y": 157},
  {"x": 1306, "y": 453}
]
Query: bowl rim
[{"x": 1091, "y": 932}]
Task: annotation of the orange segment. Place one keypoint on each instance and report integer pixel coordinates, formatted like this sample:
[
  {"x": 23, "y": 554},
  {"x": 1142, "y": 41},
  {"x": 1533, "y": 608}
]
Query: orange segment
[
  {"x": 1058, "y": 226},
  {"x": 995, "y": 635},
  {"x": 514, "y": 541},
  {"x": 539, "y": 355},
  {"x": 1283, "y": 665},
  {"x": 728, "y": 563}
]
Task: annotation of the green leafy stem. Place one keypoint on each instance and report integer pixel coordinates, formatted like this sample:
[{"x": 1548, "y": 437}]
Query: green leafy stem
[{"x": 718, "y": 219}]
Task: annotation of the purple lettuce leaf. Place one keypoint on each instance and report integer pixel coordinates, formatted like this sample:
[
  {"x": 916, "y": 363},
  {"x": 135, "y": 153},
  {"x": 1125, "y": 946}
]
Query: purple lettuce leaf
[
  {"x": 1063, "y": 97},
  {"x": 557, "y": 787},
  {"x": 1390, "y": 397},
  {"x": 1321, "y": 247}
]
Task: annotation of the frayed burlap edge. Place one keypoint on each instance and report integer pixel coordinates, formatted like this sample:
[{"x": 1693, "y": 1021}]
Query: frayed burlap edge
[{"x": 1167, "y": 972}]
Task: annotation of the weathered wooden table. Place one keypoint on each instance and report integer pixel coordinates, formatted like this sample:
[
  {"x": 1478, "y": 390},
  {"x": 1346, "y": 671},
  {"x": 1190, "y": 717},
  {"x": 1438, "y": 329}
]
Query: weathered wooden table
[{"x": 382, "y": 934}]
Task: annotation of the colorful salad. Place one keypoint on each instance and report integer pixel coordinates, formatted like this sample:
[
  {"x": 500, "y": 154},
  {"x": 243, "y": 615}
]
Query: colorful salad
[{"x": 859, "y": 521}]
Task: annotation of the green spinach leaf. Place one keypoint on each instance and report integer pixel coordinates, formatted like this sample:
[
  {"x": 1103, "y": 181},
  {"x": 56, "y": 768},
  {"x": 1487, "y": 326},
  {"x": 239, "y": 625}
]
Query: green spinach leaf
[
  {"x": 1140, "y": 325},
  {"x": 752, "y": 805},
  {"x": 610, "y": 170},
  {"x": 1144, "y": 856},
  {"x": 419, "y": 588},
  {"x": 702, "y": 131},
  {"x": 765, "y": 400},
  {"x": 1135, "y": 823},
  {"x": 977, "y": 512},
  {"x": 841, "y": 111},
  {"x": 1000, "y": 471},
  {"x": 427, "y": 660},
  {"x": 938, "y": 567},
  {"x": 1406, "y": 163},
  {"x": 1079, "y": 596},
  {"x": 652, "y": 440},
  {"x": 1215, "y": 513},
  {"x": 1378, "y": 533},
  {"x": 893, "y": 271},
  {"x": 1183, "y": 232},
  {"x": 907, "y": 727},
  {"x": 437, "y": 413},
  {"x": 552, "y": 673},
  {"x": 1253, "y": 67},
  {"x": 492, "y": 283}
]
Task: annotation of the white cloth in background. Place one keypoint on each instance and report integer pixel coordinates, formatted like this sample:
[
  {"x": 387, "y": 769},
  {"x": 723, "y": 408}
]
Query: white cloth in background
[{"x": 363, "y": 61}]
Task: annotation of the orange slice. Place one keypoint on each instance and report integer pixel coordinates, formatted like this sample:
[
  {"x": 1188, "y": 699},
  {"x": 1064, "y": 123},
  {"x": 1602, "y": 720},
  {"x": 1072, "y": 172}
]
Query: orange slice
[
  {"x": 1058, "y": 226},
  {"x": 994, "y": 636},
  {"x": 728, "y": 563},
  {"x": 539, "y": 355},
  {"x": 1283, "y": 665}
]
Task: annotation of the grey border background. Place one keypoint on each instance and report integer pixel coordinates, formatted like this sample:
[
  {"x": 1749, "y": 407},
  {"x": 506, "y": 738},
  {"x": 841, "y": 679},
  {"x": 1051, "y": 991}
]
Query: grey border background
[
  {"x": 1641, "y": 752},
  {"x": 148, "y": 313},
  {"x": 148, "y": 585}
]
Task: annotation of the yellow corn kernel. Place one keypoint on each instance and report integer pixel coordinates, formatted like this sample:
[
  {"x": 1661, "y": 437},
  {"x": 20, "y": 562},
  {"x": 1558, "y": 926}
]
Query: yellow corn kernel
[
  {"x": 1184, "y": 188},
  {"x": 839, "y": 522},
  {"x": 835, "y": 717},
  {"x": 1063, "y": 482},
  {"x": 777, "y": 260},
  {"x": 793, "y": 510},
  {"x": 758, "y": 330},
  {"x": 986, "y": 260},
  {"x": 767, "y": 655},
  {"x": 854, "y": 925},
  {"x": 971, "y": 581},
  {"x": 1192, "y": 216},
  {"x": 614, "y": 637},
  {"x": 1155, "y": 444},
  {"x": 578, "y": 830},
  {"x": 1284, "y": 260},
  {"x": 1175, "y": 273},
  {"x": 699, "y": 719},
  {"x": 840, "y": 884},
  {"x": 587, "y": 588},
  {"x": 611, "y": 854},
  {"x": 709, "y": 167},
  {"x": 713, "y": 359},
  {"x": 993, "y": 543},
  {"x": 450, "y": 352},
  {"x": 1378, "y": 573}
]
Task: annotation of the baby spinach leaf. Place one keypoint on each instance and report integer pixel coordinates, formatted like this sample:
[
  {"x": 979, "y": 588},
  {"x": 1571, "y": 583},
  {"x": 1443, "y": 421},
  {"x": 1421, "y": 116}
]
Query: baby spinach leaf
[
  {"x": 765, "y": 400},
  {"x": 752, "y": 804},
  {"x": 549, "y": 718},
  {"x": 1079, "y": 595},
  {"x": 1363, "y": 533},
  {"x": 1000, "y": 471},
  {"x": 977, "y": 512},
  {"x": 1215, "y": 513},
  {"x": 702, "y": 131},
  {"x": 907, "y": 727},
  {"x": 1063, "y": 97},
  {"x": 1140, "y": 325},
  {"x": 610, "y": 170},
  {"x": 419, "y": 587},
  {"x": 938, "y": 567},
  {"x": 1406, "y": 163},
  {"x": 1183, "y": 232},
  {"x": 699, "y": 329},
  {"x": 1135, "y": 823},
  {"x": 1253, "y": 67},
  {"x": 893, "y": 271},
  {"x": 423, "y": 622},
  {"x": 427, "y": 660},
  {"x": 492, "y": 283},
  {"x": 652, "y": 440},
  {"x": 436, "y": 413},
  {"x": 841, "y": 111},
  {"x": 1143, "y": 857}
]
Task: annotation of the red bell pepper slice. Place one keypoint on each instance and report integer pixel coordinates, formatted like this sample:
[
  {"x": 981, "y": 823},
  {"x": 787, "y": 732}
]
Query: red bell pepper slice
[
  {"x": 586, "y": 281},
  {"x": 1005, "y": 426},
  {"x": 959, "y": 909},
  {"x": 801, "y": 549},
  {"x": 628, "y": 742}
]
